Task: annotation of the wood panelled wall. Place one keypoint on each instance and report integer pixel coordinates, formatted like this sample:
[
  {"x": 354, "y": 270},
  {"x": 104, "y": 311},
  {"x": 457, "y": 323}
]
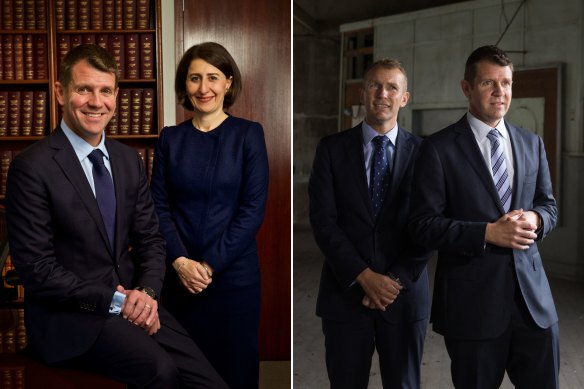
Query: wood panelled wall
[{"x": 257, "y": 33}]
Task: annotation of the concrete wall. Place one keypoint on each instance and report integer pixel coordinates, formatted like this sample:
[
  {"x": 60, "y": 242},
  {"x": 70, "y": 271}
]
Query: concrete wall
[{"x": 434, "y": 45}]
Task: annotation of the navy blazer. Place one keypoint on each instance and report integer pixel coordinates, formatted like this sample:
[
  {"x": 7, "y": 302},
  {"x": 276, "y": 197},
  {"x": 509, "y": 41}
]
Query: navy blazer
[
  {"x": 453, "y": 199},
  {"x": 60, "y": 248},
  {"x": 351, "y": 239},
  {"x": 210, "y": 191}
]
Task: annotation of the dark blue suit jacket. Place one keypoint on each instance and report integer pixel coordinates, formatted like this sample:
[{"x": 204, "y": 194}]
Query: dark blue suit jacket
[
  {"x": 60, "y": 248},
  {"x": 453, "y": 199},
  {"x": 210, "y": 191},
  {"x": 351, "y": 239}
]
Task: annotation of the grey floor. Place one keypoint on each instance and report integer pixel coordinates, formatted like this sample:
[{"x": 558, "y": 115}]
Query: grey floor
[{"x": 309, "y": 370}]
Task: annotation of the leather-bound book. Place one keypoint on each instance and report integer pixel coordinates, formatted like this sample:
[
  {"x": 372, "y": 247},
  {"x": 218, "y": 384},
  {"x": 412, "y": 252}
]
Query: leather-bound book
[
  {"x": 60, "y": 15},
  {"x": 130, "y": 14},
  {"x": 3, "y": 113},
  {"x": 14, "y": 113},
  {"x": 7, "y": 15},
  {"x": 39, "y": 113},
  {"x": 71, "y": 18},
  {"x": 124, "y": 108},
  {"x": 41, "y": 14},
  {"x": 88, "y": 38},
  {"x": 96, "y": 14},
  {"x": 18, "y": 57},
  {"x": 26, "y": 109},
  {"x": 118, "y": 14},
  {"x": 102, "y": 40},
  {"x": 83, "y": 14},
  {"x": 135, "y": 111},
  {"x": 108, "y": 14},
  {"x": 8, "y": 56},
  {"x": 40, "y": 57},
  {"x": 18, "y": 14},
  {"x": 28, "y": 57},
  {"x": 147, "y": 56},
  {"x": 75, "y": 40},
  {"x": 116, "y": 47},
  {"x": 112, "y": 126},
  {"x": 5, "y": 159},
  {"x": 30, "y": 14},
  {"x": 143, "y": 14},
  {"x": 147, "y": 111},
  {"x": 132, "y": 57}
]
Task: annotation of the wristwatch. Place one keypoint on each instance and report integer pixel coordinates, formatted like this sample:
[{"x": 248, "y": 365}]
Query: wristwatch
[{"x": 148, "y": 290}]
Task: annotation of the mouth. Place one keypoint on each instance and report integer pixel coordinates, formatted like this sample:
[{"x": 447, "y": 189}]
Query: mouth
[
  {"x": 204, "y": 99},
  {"x": 93, "y": 115}
]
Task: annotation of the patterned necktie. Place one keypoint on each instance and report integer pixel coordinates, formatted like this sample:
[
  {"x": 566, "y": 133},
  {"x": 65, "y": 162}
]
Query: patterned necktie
[
  {"x": 499, "y": 169},
  {"x": 379, "y": 180},
  {"x": 104, "y": 193}
]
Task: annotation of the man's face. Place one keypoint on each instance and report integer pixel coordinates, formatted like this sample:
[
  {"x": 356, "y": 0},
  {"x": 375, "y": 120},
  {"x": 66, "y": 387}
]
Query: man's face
[
  {"x": 489, "y": 94},
  {"x": 384, "y": 94},
  {"x": 89, "y": 101}
]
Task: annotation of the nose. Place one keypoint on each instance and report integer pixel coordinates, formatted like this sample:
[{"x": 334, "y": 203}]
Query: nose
[
  {"x": 498, "y": 89},
  {"x": 204, "y": 86},
  {"x": 95, "y": 99},
  {"x": 381, "y": 91}
]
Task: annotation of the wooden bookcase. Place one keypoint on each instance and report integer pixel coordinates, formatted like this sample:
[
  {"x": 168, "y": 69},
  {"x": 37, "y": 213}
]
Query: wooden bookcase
[{"x": 82, "y": 26}]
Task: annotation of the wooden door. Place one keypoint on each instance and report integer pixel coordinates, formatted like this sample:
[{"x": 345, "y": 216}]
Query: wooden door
[{"x": 257, "y": 33}]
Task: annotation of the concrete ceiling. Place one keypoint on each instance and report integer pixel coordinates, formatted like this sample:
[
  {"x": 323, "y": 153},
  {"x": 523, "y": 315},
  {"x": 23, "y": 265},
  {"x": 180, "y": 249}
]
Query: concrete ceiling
[{"x": 317, "y": 14}]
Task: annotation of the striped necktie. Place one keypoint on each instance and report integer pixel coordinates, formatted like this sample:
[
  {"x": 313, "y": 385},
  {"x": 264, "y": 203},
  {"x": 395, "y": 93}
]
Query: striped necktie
[{"x": 499, "y": 170}]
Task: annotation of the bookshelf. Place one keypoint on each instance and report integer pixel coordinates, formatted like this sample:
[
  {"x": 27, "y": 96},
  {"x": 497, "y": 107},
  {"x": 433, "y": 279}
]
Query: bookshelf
[{"x": 34, "y": 37}]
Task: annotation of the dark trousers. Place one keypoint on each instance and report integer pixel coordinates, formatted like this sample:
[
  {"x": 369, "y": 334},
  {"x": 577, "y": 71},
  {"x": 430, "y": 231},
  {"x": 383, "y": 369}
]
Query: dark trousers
[
  {"x": 529, "y": 354},
  {"x": 169, "y": 359},
  {"x": 350, "y": 345}
]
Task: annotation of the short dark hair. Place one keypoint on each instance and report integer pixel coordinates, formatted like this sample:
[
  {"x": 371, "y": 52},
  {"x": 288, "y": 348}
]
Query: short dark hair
[
  {"x": 386, "y": 63},
  {"x": 216, "y": 55},
  {"x": 485, "y": 53},
  {"x": 95, "y": 55}
]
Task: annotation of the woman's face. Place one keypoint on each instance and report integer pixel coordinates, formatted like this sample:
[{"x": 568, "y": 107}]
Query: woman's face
[{"x": 206, "y": 87}]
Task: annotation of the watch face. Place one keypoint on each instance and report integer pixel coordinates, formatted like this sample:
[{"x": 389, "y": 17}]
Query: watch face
[{"x": 148, "y": 290}]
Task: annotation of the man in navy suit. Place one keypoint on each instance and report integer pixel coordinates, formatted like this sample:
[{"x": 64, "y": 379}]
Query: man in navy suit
[
  {"x": 374, "y": 284},
  {"x": 482, "y": 197},
  {"x": 91, "y": 272}
]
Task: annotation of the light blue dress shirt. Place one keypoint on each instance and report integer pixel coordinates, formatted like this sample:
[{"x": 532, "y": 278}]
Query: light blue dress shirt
[
  {"x": 368, "y": 148},
  {"x": 82, "y": 150}
]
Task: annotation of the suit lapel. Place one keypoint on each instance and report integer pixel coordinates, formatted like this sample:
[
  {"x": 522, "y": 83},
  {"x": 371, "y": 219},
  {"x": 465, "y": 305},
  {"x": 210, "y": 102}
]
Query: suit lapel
[
  {"x": 519, "y": 164},
  {"x": 115, "y": 164},
  {"x": 356, "y": 159},
  {"x": 469, "y": 148},
  {"x": 403, "y": 154},
  {"x": 67, "y": 160}
]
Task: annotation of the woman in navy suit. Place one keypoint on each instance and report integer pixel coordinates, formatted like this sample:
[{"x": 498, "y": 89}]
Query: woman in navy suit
[{"x": 210, "y": 185}]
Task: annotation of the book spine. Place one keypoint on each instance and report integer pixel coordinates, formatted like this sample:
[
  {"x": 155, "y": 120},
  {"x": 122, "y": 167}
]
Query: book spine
[
  {"x": 135, "y": 111},
  {"x": 18, "y": 57},
  {"x": 88, "y": 38},
  {"x": 18, "y": 14},
  {"x": 27, "y": 109},
  {"x": 150, "y": 162},
  {"x": 20, "y": 332},
  {"x": 63, "y": 47},
  {"x": 132, "y": 57},
  {"x": 75, "y": 40},
  {"x": 28, "y": 58},
  {"x": 124, "y": 122},
  {"x": 3, "y": 113},
  {"x": 14, "y": 113},
  {"x": 119, "y": 14},
  {"x": 5, "y": 159},
  {"x": 60, "y": 15},
  {"x": 147, "y": 111},
  {"x": 40, "y": 57},
  {"x": 147, "y": 56},
  {"x": 8, "y": 57},
  {"x": 71, "y": 14},
  {"x": 7, "y": 15},
  {"x": 108, "y": 14},
  {"x": 83, "y": 14},
  {"x": 116, "y": 46},
  {"x": 39, "y": 113},
  {"x": 41, "y": 14},
  {"x": 96, "y": 14},
  {"x": 142, "y": 154},
  {"x": 129, "y": 14},
  {"x": 143, "y": 14},
  {"x": 30, "y": 14},
  {"x": 112, "y": 126},
  {"x": 102, "y": 40},
  {"x": 1, "y": 61}
]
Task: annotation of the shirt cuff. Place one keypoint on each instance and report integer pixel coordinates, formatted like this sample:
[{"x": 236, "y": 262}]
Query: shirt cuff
[{"x": 117, "y": 302}]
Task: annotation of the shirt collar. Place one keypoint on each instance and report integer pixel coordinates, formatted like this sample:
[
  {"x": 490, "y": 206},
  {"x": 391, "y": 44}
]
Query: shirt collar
[
  {"x": 480, "y": 129},
  {"x": 369, "y": 133},
  {"x": 81, "y": 147}
]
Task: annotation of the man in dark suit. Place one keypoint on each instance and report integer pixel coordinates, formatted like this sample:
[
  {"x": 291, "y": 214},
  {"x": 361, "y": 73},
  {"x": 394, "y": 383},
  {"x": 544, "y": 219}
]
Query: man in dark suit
[
  {"x": 482, "y": 196},
  {"x": 374, "y": 285},
  {"x": 88, "y": 249}
]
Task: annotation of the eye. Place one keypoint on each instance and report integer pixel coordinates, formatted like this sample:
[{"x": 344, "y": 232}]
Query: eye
[
  {"x": 373, "y": 85},
  {"x": 82, "y": 90},
  {"x": 213, "y": 78},
  {"x": 194, "y": 78},
  {"x": 107, "y": 92}
]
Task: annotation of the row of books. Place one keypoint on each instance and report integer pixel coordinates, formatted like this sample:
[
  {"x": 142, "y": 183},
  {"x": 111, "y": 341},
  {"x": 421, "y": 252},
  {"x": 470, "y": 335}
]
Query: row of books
[
  {"x": 134, "y": 53},
  {"x": 102, "y": 14},
  {"x": 134, "y": 114},
  {"x": 23, "y": 113},
  {"x": 13, "y": 333},
  {"x": 12, "y": 377},
  {"x": 24, "y": 57},
  {"x": 23, "y": 15}
]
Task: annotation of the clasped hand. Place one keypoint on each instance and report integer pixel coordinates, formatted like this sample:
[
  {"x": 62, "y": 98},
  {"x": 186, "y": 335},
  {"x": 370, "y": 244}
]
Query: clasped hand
[
  {"x": 140, "y": 309},
  {"x": 194, "y": 276},
  {"x": 515, "y": 230},
  {"x": 380, "y": 290}
]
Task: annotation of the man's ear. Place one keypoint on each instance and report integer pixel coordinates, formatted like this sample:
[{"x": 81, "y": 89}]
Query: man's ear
[
  {"x": 60, "y": 93},
  {"x": 466, "y": 87}
]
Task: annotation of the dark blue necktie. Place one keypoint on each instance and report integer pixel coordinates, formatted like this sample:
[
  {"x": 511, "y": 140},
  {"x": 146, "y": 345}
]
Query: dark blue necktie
[
  {"x": 379, "y": 180},
  {"x": 499, "y": 170},
  {"x": 104, "y": 193}
]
